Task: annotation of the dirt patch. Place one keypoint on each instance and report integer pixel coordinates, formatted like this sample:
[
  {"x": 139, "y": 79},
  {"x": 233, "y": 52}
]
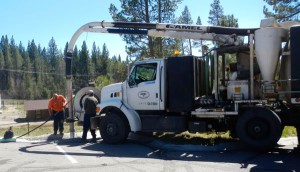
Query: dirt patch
[{"x": 12, "y": 112}]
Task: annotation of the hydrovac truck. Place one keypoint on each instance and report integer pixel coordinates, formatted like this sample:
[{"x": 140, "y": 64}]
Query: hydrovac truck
[{"x": 254, "y": 98}]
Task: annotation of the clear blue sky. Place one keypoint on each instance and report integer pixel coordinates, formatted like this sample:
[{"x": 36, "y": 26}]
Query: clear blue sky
[{"x": 43, "y": 19}]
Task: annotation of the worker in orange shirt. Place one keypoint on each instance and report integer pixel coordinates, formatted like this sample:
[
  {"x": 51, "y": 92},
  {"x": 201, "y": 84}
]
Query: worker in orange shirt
[{"x": 56, "y": 110}]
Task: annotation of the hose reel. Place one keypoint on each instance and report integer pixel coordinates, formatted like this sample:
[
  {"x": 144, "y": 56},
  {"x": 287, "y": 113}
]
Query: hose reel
[{"x": 79, "y": 99}]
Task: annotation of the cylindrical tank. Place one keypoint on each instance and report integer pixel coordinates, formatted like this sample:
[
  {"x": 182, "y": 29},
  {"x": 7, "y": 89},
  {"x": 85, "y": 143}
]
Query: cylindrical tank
[
  {"x": 80, "y": 98},
  {"x": 267, "y": 47}
]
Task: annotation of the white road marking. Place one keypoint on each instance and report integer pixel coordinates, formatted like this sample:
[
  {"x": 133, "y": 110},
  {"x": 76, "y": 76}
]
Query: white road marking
[{"x": 71, "y": 159}]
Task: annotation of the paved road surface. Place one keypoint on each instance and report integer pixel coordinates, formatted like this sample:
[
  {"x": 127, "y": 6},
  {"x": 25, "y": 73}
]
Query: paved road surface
[{"x": 140, "y": 154}]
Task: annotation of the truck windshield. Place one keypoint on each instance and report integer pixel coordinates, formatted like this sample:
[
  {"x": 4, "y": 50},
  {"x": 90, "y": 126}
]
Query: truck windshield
[{"x": 143, "y": 73}]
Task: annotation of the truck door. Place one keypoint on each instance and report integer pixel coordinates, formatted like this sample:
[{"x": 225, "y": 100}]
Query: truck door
[{"x": 143, "y": 86}]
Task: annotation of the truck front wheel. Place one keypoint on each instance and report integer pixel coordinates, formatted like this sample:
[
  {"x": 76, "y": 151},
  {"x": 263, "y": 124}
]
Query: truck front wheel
[
  {"x": 259, "y": 128},
  {"x": 114, "y": 128}
]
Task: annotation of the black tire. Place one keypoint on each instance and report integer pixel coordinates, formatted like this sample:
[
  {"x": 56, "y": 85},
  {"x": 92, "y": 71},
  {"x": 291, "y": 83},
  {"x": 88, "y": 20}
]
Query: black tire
[
  {"x": 259, "y": 128},
  {"x": 114, "y": 128},
  {"x": 233, "y": 134}
]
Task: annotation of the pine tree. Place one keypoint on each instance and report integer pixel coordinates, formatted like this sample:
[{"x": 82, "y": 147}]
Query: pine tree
[
  {"x": 127, "y": 60},
  {"x": 53, "y": 55},
  {"x": 75, "y": 60},
  {"x": 7, "y": 78},
  {"x": 36, "y": 62},
  {"x": 61, "y": 82},
  {"x": 163, "y": 12},
  {"x": 45, "y": 69},
  {"x": 47, "y": 79},
  {"x": 75, "y": 69},
  {"x": 283, "y": 10},
  {"x": 28, "y": 92},
  {"x": 102, "y": 81},
  {"x": 104, "y": 60},
  {"x": 56, "y": 67},
  {"x": 17, "y": 58},
  {"x": 94, "y": 62},
  {"x": 215, "y": 13},
  {"x": 83, "y": 63},
  {"x": 199, "y": 43},
  {"x": 117, "y": 70},
  {"x": 146, "y": 11},
  {"x": 16, "y": 65},
  {"x": 21, "y": 48},
  {"x": 114, "y": 58},
  {"x": 2, "y": 75},
  {"x": 228, "y": 21},
  {"x": 186, "y": 18}
]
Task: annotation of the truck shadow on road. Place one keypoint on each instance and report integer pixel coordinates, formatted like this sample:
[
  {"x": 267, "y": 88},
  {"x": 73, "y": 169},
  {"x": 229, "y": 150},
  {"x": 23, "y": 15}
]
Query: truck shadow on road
[{"x": 277, "y": 159}]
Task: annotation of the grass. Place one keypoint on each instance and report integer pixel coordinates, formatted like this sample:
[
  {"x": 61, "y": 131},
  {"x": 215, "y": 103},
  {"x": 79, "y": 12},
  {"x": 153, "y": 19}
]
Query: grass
[
  {"x": 206, "y": 138},
  {"x": 209, "y": 138},
  {"x": 13, "y": 102},
  {"x": 20, "y": 107},
  {"x": 43, "y": 130},
  {"x": 289, "y": 131}
]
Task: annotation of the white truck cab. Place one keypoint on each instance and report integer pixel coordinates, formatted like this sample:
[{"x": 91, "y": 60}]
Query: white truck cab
[{"x": 142, "y": 90}]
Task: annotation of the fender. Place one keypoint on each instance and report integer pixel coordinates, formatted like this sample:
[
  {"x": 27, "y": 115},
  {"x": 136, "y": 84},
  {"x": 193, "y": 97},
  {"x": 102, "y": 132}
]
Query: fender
[{"x": 131, "y": 115}]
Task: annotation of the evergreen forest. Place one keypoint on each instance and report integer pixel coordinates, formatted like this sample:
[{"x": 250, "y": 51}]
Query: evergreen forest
[{"x": 35, "y": 72}]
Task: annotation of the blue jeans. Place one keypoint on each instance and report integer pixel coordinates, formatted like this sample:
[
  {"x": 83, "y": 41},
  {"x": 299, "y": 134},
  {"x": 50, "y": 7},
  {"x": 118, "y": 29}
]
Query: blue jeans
[
  {"x": 87, "y": 126},
  {"x": 58, "y": 121}
]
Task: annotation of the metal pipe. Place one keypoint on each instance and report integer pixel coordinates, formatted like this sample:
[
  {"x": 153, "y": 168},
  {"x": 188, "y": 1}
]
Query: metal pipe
[
  {"x": 216, "y": 75},
  {"x": 251, "y": 67},
  {"x": 71, "y": 114}
]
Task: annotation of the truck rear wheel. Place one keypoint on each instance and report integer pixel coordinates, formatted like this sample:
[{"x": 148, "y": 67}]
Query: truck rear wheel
[
  {"x": 114, "y": 128},
  {"x": 259, "y": 128}
]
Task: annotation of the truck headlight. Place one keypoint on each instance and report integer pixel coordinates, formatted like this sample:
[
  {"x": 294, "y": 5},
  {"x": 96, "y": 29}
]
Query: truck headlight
[{"x": 97, "y": 109}]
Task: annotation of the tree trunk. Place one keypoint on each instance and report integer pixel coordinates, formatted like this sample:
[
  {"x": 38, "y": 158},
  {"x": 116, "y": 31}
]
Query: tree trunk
[
  {"x": 150, "y": 40},
  {"x": 160, "y": 50}
]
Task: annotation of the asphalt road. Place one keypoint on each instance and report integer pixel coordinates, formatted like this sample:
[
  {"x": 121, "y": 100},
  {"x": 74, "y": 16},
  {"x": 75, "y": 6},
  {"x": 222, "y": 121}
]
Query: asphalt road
[{"x": 140, "y": 154}]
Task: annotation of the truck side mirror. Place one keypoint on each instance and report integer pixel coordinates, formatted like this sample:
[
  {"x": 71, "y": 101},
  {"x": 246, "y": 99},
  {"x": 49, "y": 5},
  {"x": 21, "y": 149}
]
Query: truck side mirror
[{"x": 131, "y": 82}]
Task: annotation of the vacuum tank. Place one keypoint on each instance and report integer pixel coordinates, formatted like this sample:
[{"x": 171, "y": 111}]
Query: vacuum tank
[{"x": 267, "y": 48}]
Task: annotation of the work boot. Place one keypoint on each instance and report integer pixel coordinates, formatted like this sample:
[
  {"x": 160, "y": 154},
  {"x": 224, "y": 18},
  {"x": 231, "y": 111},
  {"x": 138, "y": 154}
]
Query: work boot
[
  {"x": 296, "y": 149},
  {"x": 55, "y": 132},
  {"x": 94, "y": 140},
  {"x": 84, "y": 141}
]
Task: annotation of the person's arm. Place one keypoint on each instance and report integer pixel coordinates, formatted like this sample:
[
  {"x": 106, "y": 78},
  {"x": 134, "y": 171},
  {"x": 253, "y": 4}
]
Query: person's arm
[
  {"x": 49, "y": 108},
  {"x": 85, "y": 104},
  {"x": 65, "y": 101}
]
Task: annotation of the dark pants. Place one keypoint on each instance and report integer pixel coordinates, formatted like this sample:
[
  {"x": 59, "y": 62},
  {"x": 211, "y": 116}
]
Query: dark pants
[
  {"x": 58, "y": 123},
  {"x": 87, "y": 126}
]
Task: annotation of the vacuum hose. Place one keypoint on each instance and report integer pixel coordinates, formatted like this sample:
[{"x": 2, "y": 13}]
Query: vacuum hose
[{"x": 35, "y": 127}]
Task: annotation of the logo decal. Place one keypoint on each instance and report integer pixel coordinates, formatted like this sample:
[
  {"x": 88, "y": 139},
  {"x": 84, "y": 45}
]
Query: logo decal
[
  {"x": 143, "y": 94},
  {"x": 183, "y": 27}
]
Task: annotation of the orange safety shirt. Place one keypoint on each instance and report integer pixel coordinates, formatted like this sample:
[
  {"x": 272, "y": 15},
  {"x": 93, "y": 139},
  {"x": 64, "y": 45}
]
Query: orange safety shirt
[{"x": 57, "y": 104}]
